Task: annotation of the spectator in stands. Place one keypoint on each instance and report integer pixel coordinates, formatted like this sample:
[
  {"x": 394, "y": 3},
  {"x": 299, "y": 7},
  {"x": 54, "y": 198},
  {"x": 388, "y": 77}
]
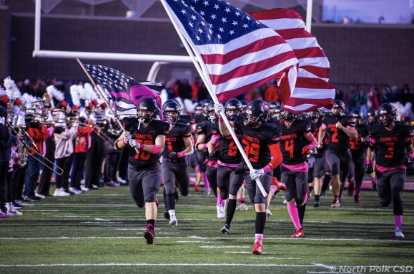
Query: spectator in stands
[
  {"x": 349, "y": 98},
  {"x": 203, "y": 93},
  {"x": 361, "y": 100},
  {"x": 195, "y": 86},
  {"x": 395, "y": 98},
  {"x": 271, "y": 93},
  {"x": 27, "y": 88},
  {"x": 407, "y": 97},
  {"x": 184, "y": 90},
  {"x": 339, "y": 95},
  {"x": 373, "y": 102},
  {"x": 384, "y": 95}
]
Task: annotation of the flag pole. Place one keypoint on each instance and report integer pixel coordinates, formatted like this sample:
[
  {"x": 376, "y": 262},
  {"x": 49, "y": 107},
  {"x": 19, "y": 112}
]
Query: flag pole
[
  {"x": 203, "y": 72},
  {"x": 103, "y": 97}
]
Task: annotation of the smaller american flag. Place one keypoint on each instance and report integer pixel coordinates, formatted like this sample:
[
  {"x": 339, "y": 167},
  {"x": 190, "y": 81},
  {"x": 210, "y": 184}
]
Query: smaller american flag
[{"x": 125, "y": 91}]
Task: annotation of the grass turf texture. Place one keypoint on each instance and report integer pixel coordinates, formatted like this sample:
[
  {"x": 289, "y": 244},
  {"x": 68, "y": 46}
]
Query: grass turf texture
[{"x": 101, "y": 231}]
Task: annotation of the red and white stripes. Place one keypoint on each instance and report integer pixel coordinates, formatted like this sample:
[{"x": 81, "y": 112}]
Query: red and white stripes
[{"x": 312, "y": 89}]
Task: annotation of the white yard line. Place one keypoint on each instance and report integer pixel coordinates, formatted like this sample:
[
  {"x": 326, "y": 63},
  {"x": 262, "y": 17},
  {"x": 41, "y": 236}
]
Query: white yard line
[
  {"x": 146, "y": 264},
  {"x": 215, "y": 238},
  {"x": 215, "y": 219}
]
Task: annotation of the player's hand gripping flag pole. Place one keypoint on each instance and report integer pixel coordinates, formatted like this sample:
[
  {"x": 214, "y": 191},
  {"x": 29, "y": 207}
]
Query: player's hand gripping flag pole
[{"x": 232, "y": 52}]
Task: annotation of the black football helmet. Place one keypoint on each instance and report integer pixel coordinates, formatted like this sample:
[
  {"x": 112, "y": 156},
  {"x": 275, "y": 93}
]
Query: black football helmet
[
  {"x": 358, "y": 115},
  {"x": 338, "y": 104},
  {"x": 204, "y": 103},
  {"x": 275, "y": 114},
  {"x": 314, "y": 114},
  {"x": 371, "y": 113},
  {"x": 232, "y": 104},
  {"x": 287, "y": 116},
  {"x": 260, "y": 110},
  {"x": 387, "y": 114},
  {"x": 244, "y": 105},
  {"x": 171, "y": 105},
  {"x": 147, "y": 104},
  {"x": 272, "y": 105},
  {"x": 211, "y": 113}
]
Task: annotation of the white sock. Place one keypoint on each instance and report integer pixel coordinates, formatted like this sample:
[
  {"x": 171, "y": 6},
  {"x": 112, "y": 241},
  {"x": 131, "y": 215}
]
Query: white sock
[{"x": 172, "y": 213}]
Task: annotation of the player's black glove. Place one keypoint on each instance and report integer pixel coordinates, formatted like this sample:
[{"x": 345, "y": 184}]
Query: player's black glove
[
  {"x": 241, "y": 168},
  {"x": 407, "y": 160},
  {"x": 173, "y": 155},
  {"x": 213, "y": 155},
  {"x": 369, "y": 169}
]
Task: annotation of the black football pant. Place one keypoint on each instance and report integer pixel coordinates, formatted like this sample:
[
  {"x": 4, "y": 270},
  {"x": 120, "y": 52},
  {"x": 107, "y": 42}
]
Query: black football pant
[
  {"x": 357, "y": 169},
  {"x": 296, "y": 185},
  {"x": 172, "y": 172},
  {"x": 211, "y": 173},
  {"x": 255, "y": 195},
  {"x": 144, "y": 183},
  {"x": 228, "y": 181},
  {"x": 339, "y": 163},
  {"x": 390, "y": 186}
]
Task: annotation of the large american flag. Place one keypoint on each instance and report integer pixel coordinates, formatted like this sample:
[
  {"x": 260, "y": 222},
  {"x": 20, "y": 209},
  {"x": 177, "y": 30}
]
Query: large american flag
[
  {"x": 124, "y": 90},
  {"x": 312, "y": 88},
  {"x": 236, "y": 53}
]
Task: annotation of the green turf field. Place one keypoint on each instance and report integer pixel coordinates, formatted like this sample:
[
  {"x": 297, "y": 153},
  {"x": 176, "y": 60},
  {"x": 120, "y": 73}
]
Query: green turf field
[{"x": 101, "y": 232}]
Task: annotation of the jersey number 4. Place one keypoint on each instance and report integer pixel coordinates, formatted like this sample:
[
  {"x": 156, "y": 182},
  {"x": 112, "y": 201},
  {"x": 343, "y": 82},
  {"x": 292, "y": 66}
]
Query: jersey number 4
[
  {"x": 143, "y": 155},
  {"x": 289, "y": 145},
  {"x": 252, "y": 150}
]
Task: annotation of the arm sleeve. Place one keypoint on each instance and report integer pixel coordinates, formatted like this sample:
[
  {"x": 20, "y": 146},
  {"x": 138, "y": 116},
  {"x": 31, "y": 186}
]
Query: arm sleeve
[{"x": 276, "y": 154}]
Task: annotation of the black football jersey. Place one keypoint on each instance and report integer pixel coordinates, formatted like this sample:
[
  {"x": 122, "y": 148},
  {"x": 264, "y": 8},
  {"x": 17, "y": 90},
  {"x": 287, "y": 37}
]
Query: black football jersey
[
  {"x": 338, "y": 140},
  {"x": 390, "y": 145},
  {"x": 198, "y": 118},
  {"x": 256, "y": 141},
  {"x": 227, "y": 149},
  {"x": 184, "y": 119},
  {"x": 357, "y": 145},
  {"x": 146, "y": 136},
  {"x": 205, "y": 127},
  {"x": 292, "y": 141},
  {"x": 174, "y": 139}
]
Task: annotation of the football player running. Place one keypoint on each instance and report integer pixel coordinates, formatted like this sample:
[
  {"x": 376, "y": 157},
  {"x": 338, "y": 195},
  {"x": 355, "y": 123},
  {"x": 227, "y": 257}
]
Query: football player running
[
  {"x": 179, "y": 144},
  {"x": 388, "y": 141},
  {"x": 260, "y": 141},
  {"x": 146, "y": 135},
  {"x": 358, "y": 147},
  {"x": 294, "y": 138},
  {"x": 339, "y": 128}
]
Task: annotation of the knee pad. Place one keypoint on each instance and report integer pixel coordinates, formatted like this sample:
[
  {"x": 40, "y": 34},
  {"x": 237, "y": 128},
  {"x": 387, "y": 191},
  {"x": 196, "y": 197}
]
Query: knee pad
[{"x": 150, "y": 197}]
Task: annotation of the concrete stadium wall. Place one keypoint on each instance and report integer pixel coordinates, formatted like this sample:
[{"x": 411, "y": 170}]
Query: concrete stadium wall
[{"x": 364, "y": 54}]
